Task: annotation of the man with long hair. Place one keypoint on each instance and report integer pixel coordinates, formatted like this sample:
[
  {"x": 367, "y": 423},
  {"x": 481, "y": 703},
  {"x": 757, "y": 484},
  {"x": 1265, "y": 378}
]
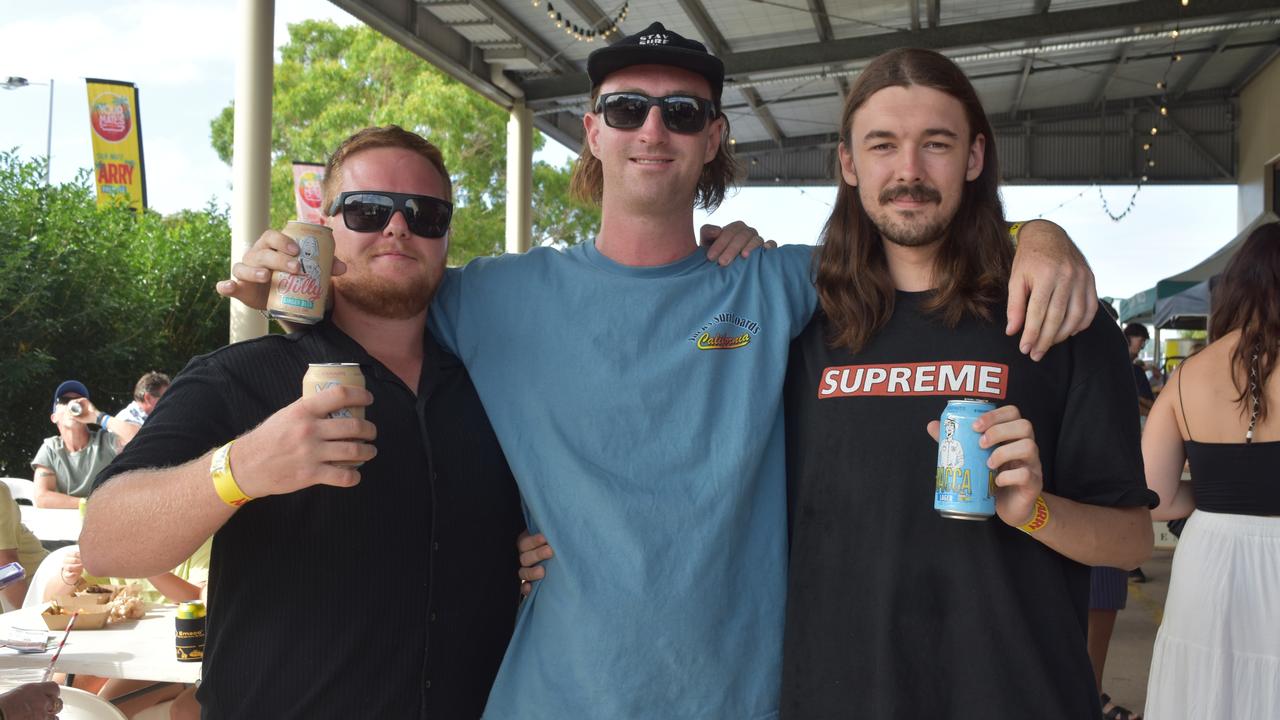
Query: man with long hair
[
  {"x": 894, "y": 610},
  {"x": 636, "y": 389}
]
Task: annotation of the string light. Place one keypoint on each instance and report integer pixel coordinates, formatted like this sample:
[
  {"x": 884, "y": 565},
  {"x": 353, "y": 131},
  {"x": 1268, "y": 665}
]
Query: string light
[
  {"x": 1162, "y": 85},
  {"x": 586, "y": 34}
]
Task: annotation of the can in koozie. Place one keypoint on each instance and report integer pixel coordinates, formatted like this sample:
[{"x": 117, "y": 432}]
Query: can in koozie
[
  {"x": 322, "y": 376},
  {"x": 964, "y": 487},
  {"x": 188, "y": 636},
  {"x": 301, "y": 298}
]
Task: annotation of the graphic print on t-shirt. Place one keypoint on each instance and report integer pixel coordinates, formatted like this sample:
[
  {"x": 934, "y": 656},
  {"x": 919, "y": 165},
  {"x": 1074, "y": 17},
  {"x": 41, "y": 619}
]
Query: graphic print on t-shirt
[
  {"x": 956, "y": 378},
  {"x": 725, "y": 331}
]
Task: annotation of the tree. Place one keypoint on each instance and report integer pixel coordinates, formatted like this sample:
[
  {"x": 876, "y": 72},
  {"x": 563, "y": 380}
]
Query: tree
[
  {"x": 331, "y": 81},
  {"x": 101, "y": 296}
]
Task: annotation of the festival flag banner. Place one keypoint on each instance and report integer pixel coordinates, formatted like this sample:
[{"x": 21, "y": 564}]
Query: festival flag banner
[
  {"x": 117, "y": 143},
  {"x": 307, "y": 194}
]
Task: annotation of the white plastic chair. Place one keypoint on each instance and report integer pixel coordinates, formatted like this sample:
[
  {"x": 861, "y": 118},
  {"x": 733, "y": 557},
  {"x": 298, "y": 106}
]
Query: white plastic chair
[
  {"x": 49, "y": 569},
  {"x": 80, "y": 705},
  {"x": 21, "y": 488}
]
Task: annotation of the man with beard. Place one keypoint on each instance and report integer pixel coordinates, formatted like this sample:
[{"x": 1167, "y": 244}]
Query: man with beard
[
  {"x": 894, "y": 611},
  {"x": 637, "y": 389},
  {"x": 339, "y": 590}
]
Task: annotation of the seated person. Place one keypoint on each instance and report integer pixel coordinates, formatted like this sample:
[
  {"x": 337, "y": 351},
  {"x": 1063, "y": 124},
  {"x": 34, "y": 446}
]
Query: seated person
[
  {"x": 17, "y": 544},
  {"x": 146, "y": 393},
  {"x": 66, "y": 463},
  {"x": 187, "y": 582}
]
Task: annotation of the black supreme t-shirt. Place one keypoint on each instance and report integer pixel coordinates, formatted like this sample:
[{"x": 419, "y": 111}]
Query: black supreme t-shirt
[{"x": 894, "y": 611}]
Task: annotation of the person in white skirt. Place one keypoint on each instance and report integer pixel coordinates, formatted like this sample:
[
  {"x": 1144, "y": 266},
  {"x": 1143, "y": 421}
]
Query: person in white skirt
[{"x": 1217, "y": 653}]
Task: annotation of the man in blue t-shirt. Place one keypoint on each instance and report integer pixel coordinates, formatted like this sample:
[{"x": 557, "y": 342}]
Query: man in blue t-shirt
[{"x": 636, "y": 389}]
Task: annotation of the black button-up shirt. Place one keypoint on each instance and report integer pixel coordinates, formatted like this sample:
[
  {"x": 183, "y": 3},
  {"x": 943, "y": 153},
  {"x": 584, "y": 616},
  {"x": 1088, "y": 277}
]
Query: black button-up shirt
[{"x": 391, "y": 599}]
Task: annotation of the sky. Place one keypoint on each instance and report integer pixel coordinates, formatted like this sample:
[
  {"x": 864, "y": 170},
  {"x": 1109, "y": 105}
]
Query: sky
[{"x": 181, "y": 55}]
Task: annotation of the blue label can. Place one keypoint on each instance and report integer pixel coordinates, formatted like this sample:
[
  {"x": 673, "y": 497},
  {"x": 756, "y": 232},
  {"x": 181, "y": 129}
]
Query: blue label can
[{"x": 964, "y": 487}]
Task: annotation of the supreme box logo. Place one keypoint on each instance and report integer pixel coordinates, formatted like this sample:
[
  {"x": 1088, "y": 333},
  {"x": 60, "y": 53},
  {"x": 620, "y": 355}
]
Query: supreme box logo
[{"x": 964, "y": 378}]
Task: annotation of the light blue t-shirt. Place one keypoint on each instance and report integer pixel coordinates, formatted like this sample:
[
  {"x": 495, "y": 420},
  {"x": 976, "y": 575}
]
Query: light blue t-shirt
[{"x": 641, "y": 412}]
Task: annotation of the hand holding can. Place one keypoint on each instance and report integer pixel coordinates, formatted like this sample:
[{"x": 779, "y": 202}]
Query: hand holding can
[
  {"x": 302, "y": 297},
  {"x": 322, "y": 376},
  {"x": 1015, "y": 459}
]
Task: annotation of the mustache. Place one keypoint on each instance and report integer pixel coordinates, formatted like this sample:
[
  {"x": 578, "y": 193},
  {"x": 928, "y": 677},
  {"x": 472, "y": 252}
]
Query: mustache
[{"x": 918, "y": 192}]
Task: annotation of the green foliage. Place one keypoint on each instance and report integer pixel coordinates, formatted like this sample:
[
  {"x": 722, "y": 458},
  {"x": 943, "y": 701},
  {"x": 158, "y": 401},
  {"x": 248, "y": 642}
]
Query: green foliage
[
  {"x": 101, "y": 296},
  {"x": 332, "y": 81}
]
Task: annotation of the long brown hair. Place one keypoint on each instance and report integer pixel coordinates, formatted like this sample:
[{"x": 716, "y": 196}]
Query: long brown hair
[
  {"x": 972, "y": 264},
  {"x": 587, "y": 182},
  {"x": 1247, "y": 298}
]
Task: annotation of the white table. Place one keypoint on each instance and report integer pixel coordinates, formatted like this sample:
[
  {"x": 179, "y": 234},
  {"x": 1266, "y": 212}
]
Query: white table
[
  {"x": 133, "y": 649},
  {"x": 52, "y": 523}
]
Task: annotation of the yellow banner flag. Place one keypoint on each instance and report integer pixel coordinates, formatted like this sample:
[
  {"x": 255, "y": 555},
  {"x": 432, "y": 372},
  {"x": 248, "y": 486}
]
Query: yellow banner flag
[{"x": 117, "y": 143}]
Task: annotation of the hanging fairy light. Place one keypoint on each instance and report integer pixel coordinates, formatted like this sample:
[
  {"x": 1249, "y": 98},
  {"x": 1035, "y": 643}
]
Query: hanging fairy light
[
  {"x": 585, "y": 34},
  {"x": 1162, "y": 111}
]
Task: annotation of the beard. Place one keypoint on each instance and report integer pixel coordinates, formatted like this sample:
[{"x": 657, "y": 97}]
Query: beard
[
  {"x": 911, "y": 230},
  {"x": 394, "y": 299}
]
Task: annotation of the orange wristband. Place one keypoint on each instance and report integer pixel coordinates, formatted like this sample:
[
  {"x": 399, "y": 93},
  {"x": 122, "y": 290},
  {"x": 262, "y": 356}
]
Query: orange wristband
[{"x": 1039, "y": 517}]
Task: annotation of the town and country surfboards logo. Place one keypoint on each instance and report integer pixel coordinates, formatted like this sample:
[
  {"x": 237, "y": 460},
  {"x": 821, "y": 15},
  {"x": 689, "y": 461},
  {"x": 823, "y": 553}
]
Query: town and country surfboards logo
[
  {"x": 111, "y": 117},
  {"x": 725, "y": 331}
]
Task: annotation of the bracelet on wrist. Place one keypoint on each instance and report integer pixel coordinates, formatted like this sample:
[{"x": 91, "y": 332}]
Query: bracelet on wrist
[
  {"x": 224, "y": 483},
  {"x": 1039, "y": 517}
]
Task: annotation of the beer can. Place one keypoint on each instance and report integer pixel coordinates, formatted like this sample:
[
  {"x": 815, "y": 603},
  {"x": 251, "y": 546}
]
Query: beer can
[
  {"x": 322, "y": 376},
  {"x": 964, "y": 487},
  {"x": 188, "y": 638},
  {"x": 301, "y": 298},
  {"x": 75, "y": 408}
]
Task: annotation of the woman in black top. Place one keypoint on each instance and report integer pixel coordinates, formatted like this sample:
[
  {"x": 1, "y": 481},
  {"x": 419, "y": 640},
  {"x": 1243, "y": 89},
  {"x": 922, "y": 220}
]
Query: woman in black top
[{"x": 1217, "y": 654}]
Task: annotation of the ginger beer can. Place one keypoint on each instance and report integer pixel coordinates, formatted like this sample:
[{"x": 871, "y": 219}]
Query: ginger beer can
[
  {"x": 964, "y": 487},
  {"x": 301, "y": 298},
  {"x": 322, "y": 376}
]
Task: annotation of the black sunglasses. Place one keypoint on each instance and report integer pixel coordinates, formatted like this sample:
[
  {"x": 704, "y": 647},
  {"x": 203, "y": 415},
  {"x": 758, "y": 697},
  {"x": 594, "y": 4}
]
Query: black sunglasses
[
  {"x": 371, "y": 210},
  {"x": 680, "y": 113}
]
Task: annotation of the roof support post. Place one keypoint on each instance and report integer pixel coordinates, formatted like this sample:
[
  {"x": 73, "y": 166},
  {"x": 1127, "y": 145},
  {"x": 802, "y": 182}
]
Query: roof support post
[
  {"x": 251, "y": 149},
  {"x": 519, "y": 178}
]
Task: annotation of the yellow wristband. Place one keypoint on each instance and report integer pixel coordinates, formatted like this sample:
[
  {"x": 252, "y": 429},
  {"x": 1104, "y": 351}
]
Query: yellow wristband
[
  {"x": 224, "y": 483},
  {"x": 1013, "y": 232},
  {"x": 1039, "y": 517}
]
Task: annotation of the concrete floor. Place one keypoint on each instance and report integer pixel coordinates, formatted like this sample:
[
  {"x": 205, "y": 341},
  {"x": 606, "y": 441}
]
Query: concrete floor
[{"x": 1125, "y": 675}]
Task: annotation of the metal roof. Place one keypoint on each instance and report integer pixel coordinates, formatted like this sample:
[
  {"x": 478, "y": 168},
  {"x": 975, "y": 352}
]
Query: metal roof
[{"x": 1070, "y": 85}]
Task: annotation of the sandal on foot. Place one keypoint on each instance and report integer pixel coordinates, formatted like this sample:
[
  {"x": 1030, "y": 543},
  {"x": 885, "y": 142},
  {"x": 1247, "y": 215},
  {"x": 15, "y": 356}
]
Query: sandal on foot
[{"x": 1117, "y": 712}]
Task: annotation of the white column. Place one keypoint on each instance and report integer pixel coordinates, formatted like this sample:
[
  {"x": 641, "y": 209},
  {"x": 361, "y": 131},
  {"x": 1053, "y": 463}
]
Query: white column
[
  {"x": 519, "y": 178},
  {"x": 251, "y": 161}
]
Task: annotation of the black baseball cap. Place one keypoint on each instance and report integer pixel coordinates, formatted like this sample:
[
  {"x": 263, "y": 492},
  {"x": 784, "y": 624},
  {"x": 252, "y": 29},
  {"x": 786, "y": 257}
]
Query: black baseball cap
[{"x": 656, "y": 45}]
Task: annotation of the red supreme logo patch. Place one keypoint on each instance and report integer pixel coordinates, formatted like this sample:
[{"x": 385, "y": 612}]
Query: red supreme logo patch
[{"x": 964, "y": 378}]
